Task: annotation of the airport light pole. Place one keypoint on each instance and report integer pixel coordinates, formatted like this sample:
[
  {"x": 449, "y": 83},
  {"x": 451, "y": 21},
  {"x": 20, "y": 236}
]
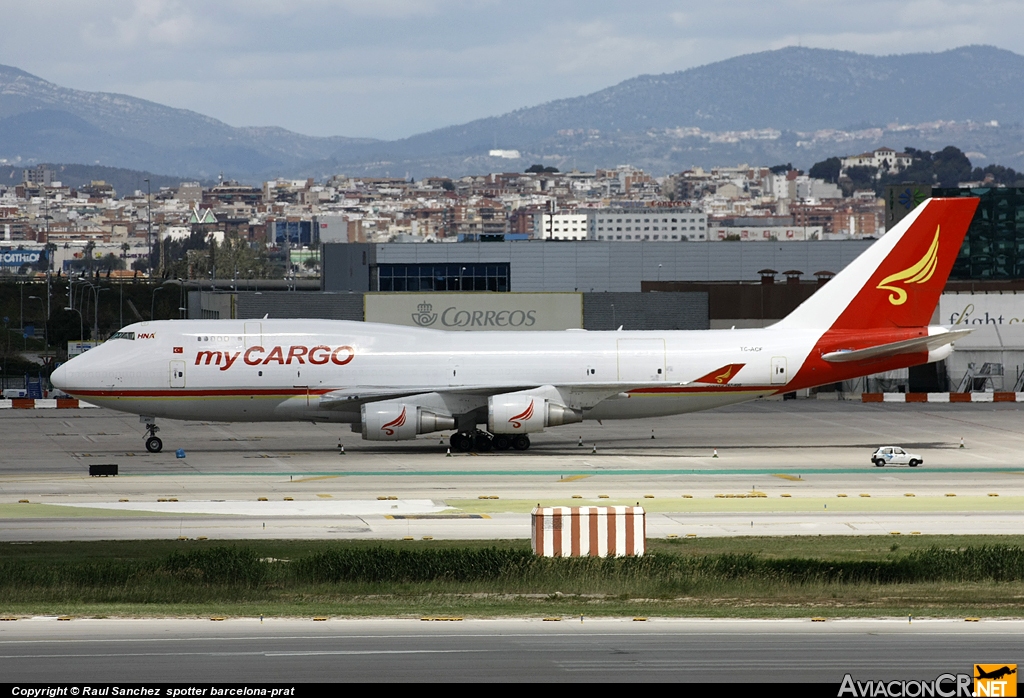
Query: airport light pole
[
  {"x": 71, "y": 289},
  {"x": 21, "y": 293},
  {"x": 96, "y": 291},
  {"x": 51, "y": 253},
  {"x": 81, "y": 323},
  {"x": 7, "y": 342},
  {"x": 82, "y": 296},
  {"x": 149, "y": 224},
  {"x": 152, "y": 303},
  {"x": 46, "y": 340},
  {"x": 182, "y": 299},
  {"x": 181, "y": 291}
]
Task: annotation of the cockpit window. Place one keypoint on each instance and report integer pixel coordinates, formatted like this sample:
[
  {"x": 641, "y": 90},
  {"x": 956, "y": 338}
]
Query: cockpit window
[{"x": 122, "y": 335}]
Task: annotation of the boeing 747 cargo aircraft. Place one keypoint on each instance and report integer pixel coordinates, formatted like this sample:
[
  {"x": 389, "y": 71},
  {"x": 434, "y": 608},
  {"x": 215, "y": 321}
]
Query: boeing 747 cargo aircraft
[{"x": 494, "y": 389}]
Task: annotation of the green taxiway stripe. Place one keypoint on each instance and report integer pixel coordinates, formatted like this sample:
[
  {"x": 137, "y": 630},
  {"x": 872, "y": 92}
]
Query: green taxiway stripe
[{"x": 602, "y": 471}]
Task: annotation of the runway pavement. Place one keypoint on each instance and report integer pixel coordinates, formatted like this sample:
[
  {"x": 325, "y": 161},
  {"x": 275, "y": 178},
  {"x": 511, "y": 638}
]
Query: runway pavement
[
  {"x": 719, "y": 651},
  {"x": 812, "y": 451},
  {"x": 782, "y": 468}
]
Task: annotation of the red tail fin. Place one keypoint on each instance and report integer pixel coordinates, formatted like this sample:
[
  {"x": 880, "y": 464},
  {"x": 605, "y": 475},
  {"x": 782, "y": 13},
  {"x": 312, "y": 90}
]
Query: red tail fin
[{"x": 898, "y": 280}]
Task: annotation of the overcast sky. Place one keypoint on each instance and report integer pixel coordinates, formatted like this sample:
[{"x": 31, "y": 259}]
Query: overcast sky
[{"x": 393, "y": 68}]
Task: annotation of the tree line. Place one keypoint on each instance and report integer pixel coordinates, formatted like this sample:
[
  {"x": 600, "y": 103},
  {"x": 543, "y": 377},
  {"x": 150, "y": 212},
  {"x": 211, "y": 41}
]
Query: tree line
[{"x": 945, "y": 168}]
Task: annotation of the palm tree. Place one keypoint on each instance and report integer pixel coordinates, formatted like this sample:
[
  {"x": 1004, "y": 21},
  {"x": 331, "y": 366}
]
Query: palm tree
[
  {"x": 51, "y": 250},
  {"x": 90, "y": 247}
]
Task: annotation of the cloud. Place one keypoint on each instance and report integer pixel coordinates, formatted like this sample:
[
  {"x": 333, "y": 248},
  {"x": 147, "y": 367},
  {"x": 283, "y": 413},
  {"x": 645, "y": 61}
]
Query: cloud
[{"x": 148, "y": 25}]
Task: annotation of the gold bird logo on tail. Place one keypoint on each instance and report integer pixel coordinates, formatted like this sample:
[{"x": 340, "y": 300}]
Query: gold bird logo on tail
[{"x": 916, "y": 274}]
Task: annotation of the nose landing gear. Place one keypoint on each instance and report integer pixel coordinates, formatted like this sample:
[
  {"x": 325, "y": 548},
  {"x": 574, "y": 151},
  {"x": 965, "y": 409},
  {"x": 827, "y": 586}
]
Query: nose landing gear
[{"x": 153, "y": 442}]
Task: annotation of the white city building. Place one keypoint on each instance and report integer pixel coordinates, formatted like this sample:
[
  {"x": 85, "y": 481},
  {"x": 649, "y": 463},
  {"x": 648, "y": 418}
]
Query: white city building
[
  {"x": 671, "y": 224},
  {"x": 880, "y": 159},
  {"x": 564, "y": 226},
  {"x": 817, "y": 189}
]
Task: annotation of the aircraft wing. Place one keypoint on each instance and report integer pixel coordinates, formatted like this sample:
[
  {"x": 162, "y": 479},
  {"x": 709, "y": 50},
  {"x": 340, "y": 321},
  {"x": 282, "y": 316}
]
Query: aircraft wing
[
  {"x": 907, "y": 346},
  {"x": 583, "y": 394},
  {"x": 370, "y": 393}
]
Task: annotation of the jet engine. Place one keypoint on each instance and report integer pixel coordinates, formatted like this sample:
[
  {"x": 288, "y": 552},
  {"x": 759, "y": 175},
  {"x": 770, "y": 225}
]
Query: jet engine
[
  {"x": 524, "y": 414},
  {"x": 397, "y": 421}
]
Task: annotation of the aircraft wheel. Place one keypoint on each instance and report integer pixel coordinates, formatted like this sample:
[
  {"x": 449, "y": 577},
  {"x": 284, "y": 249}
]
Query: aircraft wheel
[
  {"x": 502, "y": 442},
  {"x": 461, "y": 442},
  {"x": 482, "y": 442},
  {"x": 521, "y": 442},
  {"x": 154, "y": 444}
]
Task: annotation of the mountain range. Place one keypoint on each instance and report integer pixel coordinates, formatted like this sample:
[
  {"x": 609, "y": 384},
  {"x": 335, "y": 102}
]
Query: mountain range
[{"x": 794, "y": 105}]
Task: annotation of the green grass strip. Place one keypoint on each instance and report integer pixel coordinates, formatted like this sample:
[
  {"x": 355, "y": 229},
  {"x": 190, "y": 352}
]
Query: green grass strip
[{"x": 936, "y": 575}]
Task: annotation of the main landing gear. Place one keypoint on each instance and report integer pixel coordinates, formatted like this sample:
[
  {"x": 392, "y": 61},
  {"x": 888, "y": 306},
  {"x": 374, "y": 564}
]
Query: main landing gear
[
  {"x": 482, "y": 442},
  {"x": 153, "y": 442}
]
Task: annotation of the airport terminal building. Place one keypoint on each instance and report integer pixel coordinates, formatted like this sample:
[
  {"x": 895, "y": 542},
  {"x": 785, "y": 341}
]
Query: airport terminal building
[{"x": 591, "y": 266}]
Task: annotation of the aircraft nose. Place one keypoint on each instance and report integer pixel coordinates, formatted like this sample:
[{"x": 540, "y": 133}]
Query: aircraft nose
[{"x": 59, "y": 377}]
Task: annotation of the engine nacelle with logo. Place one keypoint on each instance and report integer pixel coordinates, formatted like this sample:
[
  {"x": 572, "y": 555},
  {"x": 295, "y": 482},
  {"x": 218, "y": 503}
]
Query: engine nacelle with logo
[
  {"x": 525, "y": 414},
  {"x": 397, "y": 421}
]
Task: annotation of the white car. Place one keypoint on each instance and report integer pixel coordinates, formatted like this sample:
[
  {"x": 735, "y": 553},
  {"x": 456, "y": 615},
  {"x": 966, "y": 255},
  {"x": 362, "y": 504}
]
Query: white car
[{"x": 894, "y": 455}]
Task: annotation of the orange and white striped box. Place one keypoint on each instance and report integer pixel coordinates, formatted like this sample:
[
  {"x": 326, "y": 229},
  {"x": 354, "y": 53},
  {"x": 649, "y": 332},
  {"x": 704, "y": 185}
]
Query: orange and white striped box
[
  {"x": 588, "y": 531},
  {"x": 942, "y": 397}
]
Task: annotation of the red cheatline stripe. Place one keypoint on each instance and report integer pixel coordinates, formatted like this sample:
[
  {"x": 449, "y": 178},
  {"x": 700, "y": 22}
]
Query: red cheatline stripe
[
  {"x": 706, "y": 389},
  {"x": 182, "y": 392},
  {"x": 203, "y": 393}
]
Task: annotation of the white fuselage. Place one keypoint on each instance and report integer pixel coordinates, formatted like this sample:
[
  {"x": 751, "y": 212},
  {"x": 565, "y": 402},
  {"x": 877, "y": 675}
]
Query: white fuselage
[{"x": 271, "y": 370}]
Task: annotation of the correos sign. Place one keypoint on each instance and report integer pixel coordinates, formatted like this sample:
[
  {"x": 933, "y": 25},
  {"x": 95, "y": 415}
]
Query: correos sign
[{"x": 477, "y": 311}]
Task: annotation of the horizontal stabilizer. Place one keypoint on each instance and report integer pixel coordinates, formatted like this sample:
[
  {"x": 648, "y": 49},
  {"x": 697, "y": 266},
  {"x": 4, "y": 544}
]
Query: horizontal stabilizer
[{"x": 907, "y": 346}]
